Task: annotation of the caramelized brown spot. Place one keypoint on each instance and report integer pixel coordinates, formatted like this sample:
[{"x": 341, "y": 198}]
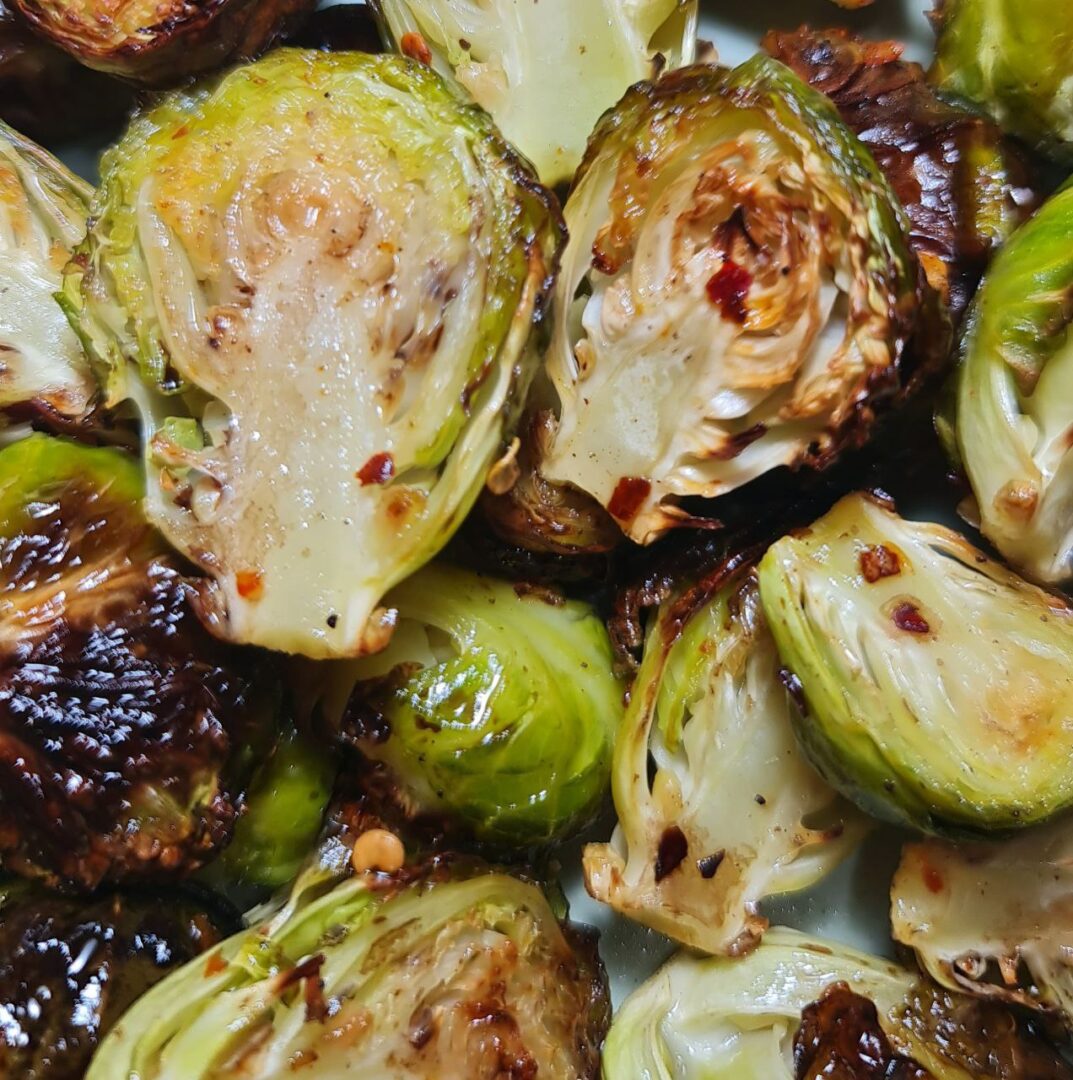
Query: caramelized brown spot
[
  {"x": 879, "y": 562},
  {"x": 379, "y": 469},
  {"x": 907, "y": 617},
  {"x": 673, "y": 848},
  {"x": 250, "y": 584},
  {"x": 629, "y": 494},
  {"x": 840, "y": 1039},
  {"x": 710, "y": 864},
  {"x": 736, "y": 444},
  {"x": 727, "y": 290},
  {"x": 416, "y": 48}
]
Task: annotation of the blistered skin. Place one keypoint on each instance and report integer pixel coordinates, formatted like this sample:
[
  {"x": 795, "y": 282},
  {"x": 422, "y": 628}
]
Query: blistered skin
[
  {"x": 937, "y": 687},
  {"x": 737, "y": 294},
  {"x": 501, "y": 53},
  {"x": 438, "y": 980},
  {"x": 161, "y": 44},
  {"x": 70, "y": 968},
  {"x": 964, "y": 185},
  {"x": 344, "y": 263},
  {"x": 122, "y": 721},
  {"x": 717, "y": 807},
  {"x": 42, "y": 216}
]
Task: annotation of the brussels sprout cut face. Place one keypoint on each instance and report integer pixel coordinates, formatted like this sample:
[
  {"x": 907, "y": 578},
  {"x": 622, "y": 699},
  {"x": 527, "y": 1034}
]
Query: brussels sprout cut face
[
  {"x": 801, "y": 1009},
  {"x": 503, "y": 54},
  {"x": 42, "y": 216},
  {"x": 1015, "y": 397},
  {"x": 126, "y": 732},
  {"x": 938, "y": 686},
  {"x": 993, "y": 919},
  {"x": 492, "y": 709},
  {"x": 732, "y": 812},
  {"x": 1014, "y": 58},
  {"x": 444, "y": 980},
  {"x": 736, "y": 293},
  {"x": 317, "y": 277}
]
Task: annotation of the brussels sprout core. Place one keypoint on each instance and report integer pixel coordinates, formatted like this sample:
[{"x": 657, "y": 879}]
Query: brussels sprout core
[
  {"x": 42, "y": 216},
  {"x": 729, "y": 811},
  {"x": 544, "y": 71},
  {"x": 938, "y": 687},
  {"x": 317, "y": 277},
  {"x": 736, "y": 294}
]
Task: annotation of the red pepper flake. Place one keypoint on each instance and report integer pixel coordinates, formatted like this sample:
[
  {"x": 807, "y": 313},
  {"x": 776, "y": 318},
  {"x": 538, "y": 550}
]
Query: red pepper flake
[
  {"x": 214, "y": 965},
  {"x": 933, "y": 880},
  {"x": 629, "y": 493},
  {"x": 416, "y": 48},
  {"x": 379, "y": 469},
  {"x": 907, "y": 617},
  {"x": 879, "y": 562},
  {"x": 727, "y": 290},
  {"x": 250, "y": 584}
]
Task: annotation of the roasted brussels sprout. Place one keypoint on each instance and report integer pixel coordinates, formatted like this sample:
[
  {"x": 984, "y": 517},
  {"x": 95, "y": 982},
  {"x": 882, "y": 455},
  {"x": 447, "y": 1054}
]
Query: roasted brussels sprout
[
  {"x": 729, "y": 812},
  {"x": 1014, "y": 58},
  {"x": 445, "y": 978},
  {"x": 161, "y": 43},
  {"x": 47, "y": 95},
  {"x": 1013, "y": 410},
  {"x": 801, "y": 1009},
  {"x": 43, "y": 371},
  {"x": 964, "y": 186},
  {"x": 491, "y": 708},
  {"x": 503, "y": 53},
  {"x": 992, "y": 919},
  {"x": 127, "y": 732},
  {"x": 69, "y": 968},
  {"x": 285, "y": 809},
  {"x": 737, "y": 293},
  {"x": 317, "y": 277},
  {"x": 937, "y": 686}
]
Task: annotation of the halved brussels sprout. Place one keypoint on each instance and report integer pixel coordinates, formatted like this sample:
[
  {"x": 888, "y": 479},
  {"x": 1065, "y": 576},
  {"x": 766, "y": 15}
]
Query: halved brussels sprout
[
  {"x": 545, "y": 72},
  {"x": 737, "y": 293},
  {"x": 964, "y": 186},
  {"x": 43, "y": 207},
  {"x": 492, "y": 708},
  {"x": 1014, "y": 399},
  {"x": 69, "y": 968},
  {"x": 127, "y": 733},
  {"x": 801, "y": 1009},
  {"x": 317, "y": 278},
  {"x": 46, "y": 94},
  {"x": 729, "y": 811},
  {"x": 992, "y": 919},
  {"x": 161, "y": 42},
  {"x": 1014, "y": 58},
  {"x": 445, "y": 978},
  {"x": 937, "y": 686}
]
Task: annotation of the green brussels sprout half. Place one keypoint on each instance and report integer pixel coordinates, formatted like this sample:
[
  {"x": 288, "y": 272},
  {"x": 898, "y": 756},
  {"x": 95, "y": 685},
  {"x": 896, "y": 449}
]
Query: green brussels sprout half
[
  {"x": 502, "y": 53},
  {"x": 284, "y": 812},
  {"x": 491, "y": 708},
  {"x": 70, "y": 967},
  {"x": 994, "y": 920},
  {"x": 736, "y": 295},
  {"x": 317, "y": 277},
  {"x": 128, "y": 733},
  {"x": 800, "y": 1009},
  {"x": 1014, "y": 397},
  {"x": 446, "y": 978},
  {"x": 937, "y": 687},
  {"x": 730, "y": 811},
  {"x": 1015, "y": 59},
  {"x": 43, "y": 371}
]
